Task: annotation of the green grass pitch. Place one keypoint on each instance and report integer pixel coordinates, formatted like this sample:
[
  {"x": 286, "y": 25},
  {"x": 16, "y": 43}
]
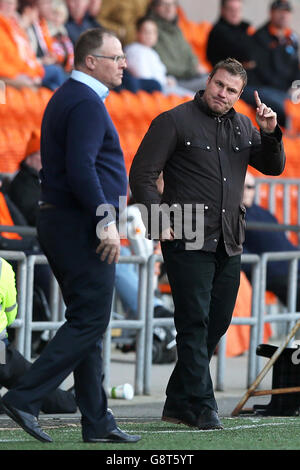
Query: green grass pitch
[{"x": 241, "y": 433}]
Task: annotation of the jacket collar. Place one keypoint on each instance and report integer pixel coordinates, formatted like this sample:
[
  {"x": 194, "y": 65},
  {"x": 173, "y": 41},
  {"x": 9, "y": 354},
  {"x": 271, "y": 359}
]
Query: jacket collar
[
  {"x": 205, "y": 109},
  {"x": 243, "y": 25}
]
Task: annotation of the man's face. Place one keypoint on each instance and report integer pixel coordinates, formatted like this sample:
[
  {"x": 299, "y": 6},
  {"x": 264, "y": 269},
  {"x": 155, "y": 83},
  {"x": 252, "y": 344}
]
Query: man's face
[
  {"x": 249, "y": 190},
  {"x": 45, "y": 9},
  {"x": 94, "y": 7},
  {"x": 222, "y": 91},
  {"x": 281, "y": 18},
  {"x": 8, "y": 7},
  {"x": 167, "y": 9},
  {"x": 148, "y": 34},
  {"x": 77, "y": 8},
  {"x": 232, "y": 12},
  {"x": 107, "y": 71}
]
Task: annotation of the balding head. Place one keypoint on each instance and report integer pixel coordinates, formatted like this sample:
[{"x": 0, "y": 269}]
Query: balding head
[{"x": 249, "y": 190}]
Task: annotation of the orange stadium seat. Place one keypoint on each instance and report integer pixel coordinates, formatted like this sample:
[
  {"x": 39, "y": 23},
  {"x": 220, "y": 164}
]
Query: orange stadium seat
[
  {"x": 15, "y": 105},
  {"x": 149, "y": 103},
  {"x": 244, "y": 108},
  {"x": 115, "y": 106},
  {"x": 293, "y": 112},
  {"x": 196, "y": 35},
  {"x": 12, "y": 152},
  {"x": 34, "y": 105},
  {"x": 238, "y": 336},
  {"x": 44, "y": 95}
]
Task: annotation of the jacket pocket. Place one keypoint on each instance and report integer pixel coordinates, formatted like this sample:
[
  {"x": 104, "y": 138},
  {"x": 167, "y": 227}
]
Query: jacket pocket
[
  {"x": 202, "y": 144},
  {"x": 241, "y": 141}
]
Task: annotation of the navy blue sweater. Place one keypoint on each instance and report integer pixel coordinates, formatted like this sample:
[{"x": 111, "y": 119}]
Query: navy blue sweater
[{"x": 82, "y": 161}]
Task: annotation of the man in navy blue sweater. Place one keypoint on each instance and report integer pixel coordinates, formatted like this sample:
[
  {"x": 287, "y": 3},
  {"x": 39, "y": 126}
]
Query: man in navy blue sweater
[
  {"x": 259, "y": 241},
  {"x": 82, "y": 169}
]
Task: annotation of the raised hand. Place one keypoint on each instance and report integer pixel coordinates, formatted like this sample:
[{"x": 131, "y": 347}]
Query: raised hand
[{"x": 266, "y": 118}]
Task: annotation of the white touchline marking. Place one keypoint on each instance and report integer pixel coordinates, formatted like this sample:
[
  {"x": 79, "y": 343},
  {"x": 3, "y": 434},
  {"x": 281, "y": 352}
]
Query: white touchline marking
[
  {"x": 14, "y": 440},
  {"x": 235, "y": 428}
]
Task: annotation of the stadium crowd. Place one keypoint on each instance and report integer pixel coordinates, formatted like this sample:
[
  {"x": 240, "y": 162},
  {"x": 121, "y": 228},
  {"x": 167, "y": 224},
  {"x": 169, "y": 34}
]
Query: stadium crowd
[{"x": 169, "y": 58}]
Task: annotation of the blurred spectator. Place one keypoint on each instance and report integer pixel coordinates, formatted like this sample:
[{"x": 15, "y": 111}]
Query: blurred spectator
[
  {"x": 231, "y": 36},
  {"x": 24, "y": 189},
  {"x": 79, "y": 19},
  {"x": 121, "y": 16},
  {"x": 94, "y": 9},
  {"x": 62, "y": 44},
  {"x": 33, "y": 14},
  {"x": 260, "y": 241},
  {"x": 10, "y": 215},
  {"x": 276, "y": 52},
  {"x": 173, "y": 49},
  {"x": 19, "y": 66},
  {"x": 144, "y": 62}
]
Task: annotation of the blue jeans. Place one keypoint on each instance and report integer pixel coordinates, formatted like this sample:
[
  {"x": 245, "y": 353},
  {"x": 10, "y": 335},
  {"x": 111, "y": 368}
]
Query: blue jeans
[
  {"x": 134, "y": 84},
  {"x": 127, "y": 285},
  {"x": 54, "y": 77}
]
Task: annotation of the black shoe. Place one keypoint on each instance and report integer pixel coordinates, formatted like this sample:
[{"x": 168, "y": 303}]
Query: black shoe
[
  {"x": 116, "y": 436},
  {"x": 184, "y": 416},
  {"x": 208, "y": 419},
  {"x": 27, "y": 421}
]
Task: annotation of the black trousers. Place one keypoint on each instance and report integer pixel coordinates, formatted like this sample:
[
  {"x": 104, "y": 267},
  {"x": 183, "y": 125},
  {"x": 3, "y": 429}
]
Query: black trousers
[
  {"x": 204, "y": 286},
  {"x": 68, "y": 238},
  {"x": 58, "y": 401}
]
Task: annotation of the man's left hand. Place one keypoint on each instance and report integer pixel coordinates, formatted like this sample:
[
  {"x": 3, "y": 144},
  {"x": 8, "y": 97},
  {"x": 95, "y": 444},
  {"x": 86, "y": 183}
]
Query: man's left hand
[
  {"x": 266, "y": 118},
  {"x": 109, "y": 247}
]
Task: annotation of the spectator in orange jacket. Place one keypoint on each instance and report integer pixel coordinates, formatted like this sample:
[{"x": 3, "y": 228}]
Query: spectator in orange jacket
[
  {"x": 34, "y": 15},
  {"x": 19, "y": 65},
  {"x": 62, "y": 43}
]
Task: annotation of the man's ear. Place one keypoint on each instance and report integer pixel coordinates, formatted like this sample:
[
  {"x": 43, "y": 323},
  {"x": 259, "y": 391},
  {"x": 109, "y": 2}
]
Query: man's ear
[
  {"x": 241, "y": 93},
  {"x": 90, "y": 62}
]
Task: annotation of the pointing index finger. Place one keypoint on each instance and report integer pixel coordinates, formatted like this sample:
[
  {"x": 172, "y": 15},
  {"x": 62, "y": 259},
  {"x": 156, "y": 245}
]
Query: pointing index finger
[{"x": 257, "y": 99}]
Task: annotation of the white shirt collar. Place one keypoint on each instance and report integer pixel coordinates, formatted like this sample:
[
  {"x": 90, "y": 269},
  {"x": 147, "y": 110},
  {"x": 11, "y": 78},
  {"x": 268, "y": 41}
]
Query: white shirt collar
[{"x": 98, "y": 87}]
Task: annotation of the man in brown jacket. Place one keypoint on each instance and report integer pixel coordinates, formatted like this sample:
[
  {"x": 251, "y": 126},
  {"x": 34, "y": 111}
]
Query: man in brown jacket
[
  {"x": 121, "y": 16},
  {"x": 203, "y": 148}
]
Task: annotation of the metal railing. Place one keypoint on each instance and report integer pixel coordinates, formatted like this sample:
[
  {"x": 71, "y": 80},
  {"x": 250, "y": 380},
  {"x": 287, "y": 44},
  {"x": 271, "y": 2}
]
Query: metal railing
[
  {"x": 253, "y": 321},
  {"x": 286, "y": 188},
  {"x": 145, "y": 322},
  {"x": 138, "y": 325},
  {"x": 151, "y": 322},
  {"x": 21, "y": 276},
  {"x": 291, "y": 315},
  {"x": 57, "y": 318},
  {"x": 57, "y": 309}
]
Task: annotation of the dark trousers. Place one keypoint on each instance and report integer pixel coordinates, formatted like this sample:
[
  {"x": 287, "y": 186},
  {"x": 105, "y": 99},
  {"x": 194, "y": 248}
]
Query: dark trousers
[
  {"x": 68, "y": 238},
  {"x": 204, "y": 287}
]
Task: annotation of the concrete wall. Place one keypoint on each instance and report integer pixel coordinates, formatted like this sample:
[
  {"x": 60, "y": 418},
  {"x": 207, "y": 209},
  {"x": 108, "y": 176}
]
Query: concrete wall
[{"x": 255, "y": 11}]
